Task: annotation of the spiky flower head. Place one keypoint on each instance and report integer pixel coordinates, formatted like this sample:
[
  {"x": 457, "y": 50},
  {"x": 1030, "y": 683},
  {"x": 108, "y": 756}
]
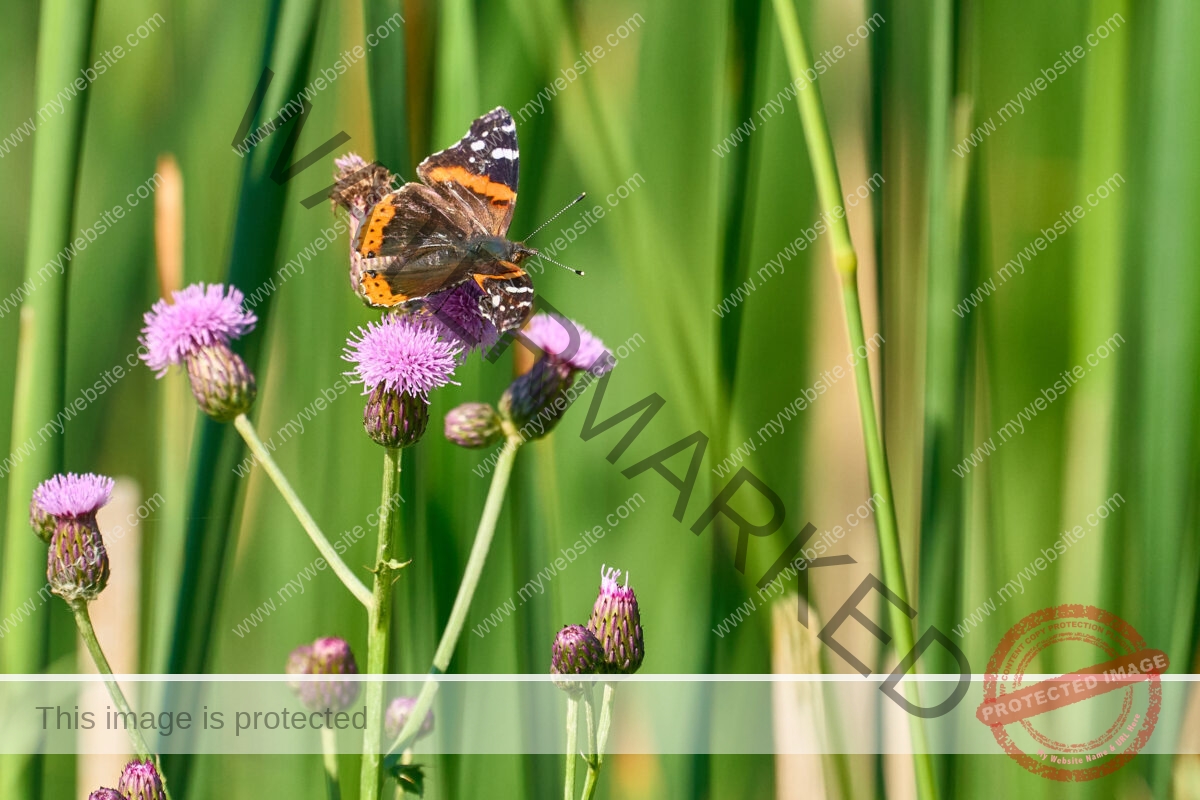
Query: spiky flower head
[
  {"x": 576, "y": 651},
  {"x": 399, "y": 361},
  {"x": 398, "y": 712},
  {"x": 195, "y": 329},
  {"x": 536, "y": 401},
  {"x": 457, "y": 316},
  {"x": 617, "y": 623},
  {"x": 140, "y": 781},
  {"x": 68, "y": 496},
  {"x": 105, "y": 794},
  {"x": 473, "y": 425},
  {"x": 66, "y": 506},
  {"x": 327, "y": 658}
]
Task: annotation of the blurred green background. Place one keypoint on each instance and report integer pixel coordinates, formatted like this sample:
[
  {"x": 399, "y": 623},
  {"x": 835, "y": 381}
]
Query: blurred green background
[{"x": 704, "y": 211}]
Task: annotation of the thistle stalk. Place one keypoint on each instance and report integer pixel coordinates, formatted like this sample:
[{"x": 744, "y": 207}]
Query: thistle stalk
[
  {"x": 825, "y": 173},
  {"x": 340, "y": 568},
  {"x": 379, "y": 613},
  {"x": 572, "y": 746},
  {"x": 466, "y": 589}
]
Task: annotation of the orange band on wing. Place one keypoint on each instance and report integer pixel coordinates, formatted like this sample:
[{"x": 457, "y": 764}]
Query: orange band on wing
[
  {"x": 378, "y": 293},
  {"x": 372, "y": 233},
  {"x": 495, "y": 191}
]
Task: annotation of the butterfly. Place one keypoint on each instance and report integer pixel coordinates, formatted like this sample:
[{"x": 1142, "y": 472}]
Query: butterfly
[{"x": 452, "y": 227}]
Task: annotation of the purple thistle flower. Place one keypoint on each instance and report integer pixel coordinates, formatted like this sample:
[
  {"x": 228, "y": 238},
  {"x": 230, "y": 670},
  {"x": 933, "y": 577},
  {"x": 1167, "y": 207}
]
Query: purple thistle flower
[
  {"x": 401, "y": 355},
  {"x": 105, "y": 794},
  {"x": 398, "y": 712},
  {"x": 455, "y": 314},
  {"x": 473, "y": 425},
  {"x": 617, "y": 623},
  {"x": 72, "y": 495},
  {"x": 198, "y": 316},
  {"x": 327, "y": 657},
  {"x": 566, "y": 342},
  {"x": 140, "y": 781}
]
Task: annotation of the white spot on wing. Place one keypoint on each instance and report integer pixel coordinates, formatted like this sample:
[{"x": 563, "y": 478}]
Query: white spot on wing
[
  {"x": 509, "y": 128},
  {"x": 495, "y": 301},
  {"x": 478, "y": 145},
  {"x": 504, "y": 152}
]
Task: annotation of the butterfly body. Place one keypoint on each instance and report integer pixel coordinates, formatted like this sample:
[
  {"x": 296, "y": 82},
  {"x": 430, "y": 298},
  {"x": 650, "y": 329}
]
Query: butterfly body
[{"x": 452, "y": 227}]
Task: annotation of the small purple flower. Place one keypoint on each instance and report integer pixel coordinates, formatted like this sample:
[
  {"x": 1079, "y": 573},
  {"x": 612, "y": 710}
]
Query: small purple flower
[
  {"x": 455, "y": 314},
  {"x": 328, "y": 658},
  {"x": 576, "y": 651},
  {"x": 401, "y": 355},
  {"x": 140, "y": 781},
  {"x": 198, "y": 316},
  {"x": 398, "y": 712},
  {"x": 568, "y": 343},
  {"x": 473, "y": 425},
  {"x": 105, "y": 794},
  {"x": 617, "y": 623},
  {"x": 72, "y": 495}
]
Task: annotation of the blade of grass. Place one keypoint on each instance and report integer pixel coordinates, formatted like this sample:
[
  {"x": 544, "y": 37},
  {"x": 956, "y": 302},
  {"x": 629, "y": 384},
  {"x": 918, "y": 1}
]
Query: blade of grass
[
  {"x": 387, "y": 81},
  {"x": 824, "y": 164},
  {"x": 64, "y": 43},
  {"x": 290, "y": 35}
]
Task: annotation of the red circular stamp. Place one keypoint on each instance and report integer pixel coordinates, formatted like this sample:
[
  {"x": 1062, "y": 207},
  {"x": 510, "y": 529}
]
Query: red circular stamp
[{"x": 1095, "y": 715}]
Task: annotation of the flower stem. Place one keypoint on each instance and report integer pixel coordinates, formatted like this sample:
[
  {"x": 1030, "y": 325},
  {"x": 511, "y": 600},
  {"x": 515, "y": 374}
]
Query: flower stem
[
  {"x": 466, "y": 591},
  {"x": 83, "y": 621},
  {"x": 329, "y": 747},
  {"x": 572, "y": 747},
  {"x": 829, "y": 192},
  {"x": 340, "y": 568},
  {"x": 602, "y": 729},
  {"x": 379, "y": 614}
]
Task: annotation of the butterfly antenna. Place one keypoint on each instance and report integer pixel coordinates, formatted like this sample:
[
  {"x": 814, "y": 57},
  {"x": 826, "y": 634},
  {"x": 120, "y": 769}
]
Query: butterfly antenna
[
  {"x": 556, "y": 216},
  {"x": 539, "y": 254}
]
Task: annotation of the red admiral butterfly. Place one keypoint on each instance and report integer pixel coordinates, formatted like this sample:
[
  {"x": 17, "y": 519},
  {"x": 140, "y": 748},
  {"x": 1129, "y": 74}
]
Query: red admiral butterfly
[{"x": 452, "y": 227}]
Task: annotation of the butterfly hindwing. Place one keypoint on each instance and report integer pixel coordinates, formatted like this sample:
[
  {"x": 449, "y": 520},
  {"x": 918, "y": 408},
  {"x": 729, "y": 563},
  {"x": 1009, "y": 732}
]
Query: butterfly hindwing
[
  {"x": 479, "y": 173},
  {"x": 507, "y": 301}
]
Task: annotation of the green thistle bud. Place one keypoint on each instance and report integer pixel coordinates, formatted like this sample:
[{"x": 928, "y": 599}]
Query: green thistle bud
[
  {"x": 473, "y": 425},
  {"x": 617, "y": 623},
  {"x": 77, "y": 563},
  {"x": 540, "y": 394},
  {"x": 140, "y": 781},
  {"x": 395, "y": 419},
  {"x": 42, "y": 521},
  {"x": 221, "y": 382},
  {"x": 576, "y": 651}
]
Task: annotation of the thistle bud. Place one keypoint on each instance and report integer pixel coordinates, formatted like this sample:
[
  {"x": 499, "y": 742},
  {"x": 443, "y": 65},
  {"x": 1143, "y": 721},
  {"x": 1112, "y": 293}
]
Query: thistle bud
[
  {"x": 539, "y": 393},
  {"x": 473, "y": 425},
  {"x": 576, "y": 651},
  {"x": 394, "y": 419},
  {"x": 328, "y": 657},
  {"x": 221, "y": 382},
  {"x": 617, "y": 624},
  {"x": 77, "y": 564},
  {"x": 41, "y": 520},
  {"x": 398, "y": 712},
  {"x": 105, "y": 794},
  {"x": 140, "y": 781}
]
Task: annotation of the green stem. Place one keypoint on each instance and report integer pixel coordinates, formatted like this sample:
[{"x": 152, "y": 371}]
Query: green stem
[
  {"x": 83, "y": 621},
  {"x": 466, "y": 591},
  {"x": 572, "y": 746},
  {"x": 340, "y": 568},
  {"x": 829, "y": 192},
  {"x": 329, "y": 747},
  {"x": 379, "y": 614},
  {"x": 602, "y": 729}
]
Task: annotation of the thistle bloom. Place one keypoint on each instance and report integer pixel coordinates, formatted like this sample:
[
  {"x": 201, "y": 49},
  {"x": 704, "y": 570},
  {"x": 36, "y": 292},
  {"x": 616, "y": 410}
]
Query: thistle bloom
[
  {"x": 399, "y": 361},
  {"x": 473, "y": 425},
  {"x": 327, "y": 657},
  {"x": 398, "y": 712},
  {"x": 455, "y": 314},
  {"x": 77, "y": 563},
  {"x": 195, "y": 329},
  {"x": 105, "y": 794},
  {"x": 540, "y": 397},
  {"x": 617, "y": 623},
  {"x": 140, "y": 781},
  {"x": 576, "y": 651}
]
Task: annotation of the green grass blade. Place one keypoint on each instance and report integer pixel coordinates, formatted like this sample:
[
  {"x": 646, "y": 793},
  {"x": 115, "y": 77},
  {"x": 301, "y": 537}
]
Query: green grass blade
[
  {"x": 64, "y": 42},
  {"x": 387, "y": 80}
]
